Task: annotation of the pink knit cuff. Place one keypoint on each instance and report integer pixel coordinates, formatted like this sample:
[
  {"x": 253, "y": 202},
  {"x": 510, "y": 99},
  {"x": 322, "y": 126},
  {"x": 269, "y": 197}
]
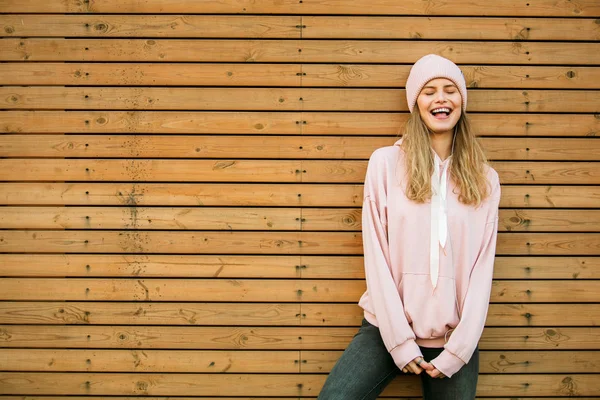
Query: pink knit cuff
[
  {"x": 447, "y": 363},
  {"x": 405, "y": 353}
]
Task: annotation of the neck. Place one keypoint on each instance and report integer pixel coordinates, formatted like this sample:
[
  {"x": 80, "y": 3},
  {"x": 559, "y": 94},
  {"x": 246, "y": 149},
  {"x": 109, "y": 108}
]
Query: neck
[{"x": 442, "y": 143}]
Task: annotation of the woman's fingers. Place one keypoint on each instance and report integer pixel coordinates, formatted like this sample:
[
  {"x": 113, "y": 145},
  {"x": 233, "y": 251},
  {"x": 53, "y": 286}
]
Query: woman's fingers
[
  {"x": 414, "y": 367},
  {"x": 425, "y": 365},
  {"x": 436, "y": 373}
]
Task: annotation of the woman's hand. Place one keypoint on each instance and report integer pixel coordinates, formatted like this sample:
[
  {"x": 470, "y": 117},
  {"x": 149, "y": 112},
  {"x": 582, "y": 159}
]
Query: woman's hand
[
  {"x": 435, "y": 373},
  {"x": 417, "y": 366}
]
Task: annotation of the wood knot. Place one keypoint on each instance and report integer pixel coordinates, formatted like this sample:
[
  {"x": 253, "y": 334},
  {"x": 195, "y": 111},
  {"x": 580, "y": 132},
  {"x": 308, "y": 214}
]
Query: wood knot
[
  {"x": 223, "y": 165},
  {"x": 101, "y": 121},
  {"x": 9, "y": 29},
  {"x": 349, "y": 220}
]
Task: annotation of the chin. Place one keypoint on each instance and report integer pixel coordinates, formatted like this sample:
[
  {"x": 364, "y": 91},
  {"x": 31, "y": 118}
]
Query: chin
[{"x": 441, "y": 128}]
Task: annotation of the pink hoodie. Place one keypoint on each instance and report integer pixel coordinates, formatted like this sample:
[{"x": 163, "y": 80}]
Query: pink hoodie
[{"x": 402, "y": 298}]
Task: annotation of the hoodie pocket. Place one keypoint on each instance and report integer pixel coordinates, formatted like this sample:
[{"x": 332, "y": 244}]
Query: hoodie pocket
[{"x": 432, "y": 312}]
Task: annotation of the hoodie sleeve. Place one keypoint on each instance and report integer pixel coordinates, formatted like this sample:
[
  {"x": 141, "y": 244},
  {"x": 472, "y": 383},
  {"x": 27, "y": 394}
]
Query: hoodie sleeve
[
  {"x": 463, "y": 341},
  {"x": 397, "y": 335}
]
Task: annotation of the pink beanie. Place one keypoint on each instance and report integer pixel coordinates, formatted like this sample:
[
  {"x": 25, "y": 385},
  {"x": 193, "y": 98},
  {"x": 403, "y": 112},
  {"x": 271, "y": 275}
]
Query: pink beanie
[{"x": 431, "y": 67}]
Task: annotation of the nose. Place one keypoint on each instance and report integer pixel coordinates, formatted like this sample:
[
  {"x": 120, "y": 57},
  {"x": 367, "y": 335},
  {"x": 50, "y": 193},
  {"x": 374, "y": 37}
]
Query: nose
[{"x": 440, "y": 96}]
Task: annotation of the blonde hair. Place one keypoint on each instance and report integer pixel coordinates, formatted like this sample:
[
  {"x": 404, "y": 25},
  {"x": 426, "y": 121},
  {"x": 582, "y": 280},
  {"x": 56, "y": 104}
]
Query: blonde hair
[{"x": 467, "y": 168}]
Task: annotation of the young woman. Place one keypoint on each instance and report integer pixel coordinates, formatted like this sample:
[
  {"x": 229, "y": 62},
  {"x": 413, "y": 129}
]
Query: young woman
[{"x": 430, "y": 219}]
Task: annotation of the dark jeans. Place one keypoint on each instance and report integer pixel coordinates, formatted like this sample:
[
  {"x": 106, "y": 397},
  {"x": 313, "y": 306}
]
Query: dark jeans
[{"x": 366, "y": 368}]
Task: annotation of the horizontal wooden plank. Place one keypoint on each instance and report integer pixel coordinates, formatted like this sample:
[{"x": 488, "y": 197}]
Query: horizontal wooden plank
[
  {"x": 307, "y": 267},
  {"x": 285, "y": 99},
  {"x": 583, "y": 8},
  {"x": 546, "y": 172},
  {"x": 305, "y": 361},
  {"x": 279, "y": 147},
  {"x": 266, "y": 338},
  {"x": 211, "y": 242},
  {"x": 170, "y": 146},
  {"x": 281, "y": 243},
  {"x": 259, "y": 194},
  {"x": 306, "y": 75},
  {"x": 212, "y": 361},
  {"x": 178, "y": 74},
  {"x": 265, "y": 385},
  {"x": 490, "y": 362},
  {"x": 222, "y": 290},
  {"x": 498, "y": 314},
  {"x": 151, "y": 314},
  {"x": 286, "y": 219},
  {"x": 519, "y": 220},
  {"x": 178, "y": 266},
  {"x": 267, "y": 219},
  {"x": 272, "y": 290},
  {"x": 456, "y": 28},
  {"x": 550, "y": 196},
  {"x": 258, "y": 314},
  {"x": 161, "y": 170},
  {"x": 540, "y": 267},
  {"x": 173, "y": 26},
  {"x": 281, "y": 123},
  {"x": 296, "y": 27},
  {"x": 285, "y": 171},
  {"x": 305, "y": 50},
  {"x": 154, "y": 194}
]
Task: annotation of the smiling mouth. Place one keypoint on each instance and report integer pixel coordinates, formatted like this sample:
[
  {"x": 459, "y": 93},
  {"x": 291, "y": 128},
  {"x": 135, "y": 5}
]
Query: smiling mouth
[{"x": 441, "y": 112}]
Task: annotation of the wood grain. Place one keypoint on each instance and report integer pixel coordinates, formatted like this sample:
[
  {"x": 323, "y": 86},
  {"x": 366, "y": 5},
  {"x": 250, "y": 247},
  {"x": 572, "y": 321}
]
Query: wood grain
[
  {"x": 303, "y": 75},
  {"x": 212, "y": 361},
  {"x": 279, "y": 243},
  {"x": 196, "y": 266},
  {"x": 160, "y": 26},
  {"x": 259, "y": 314},
  {"x": 266, "y": 338},
  {"x": 240, "y": 361},
  {"x": 268, "y": 384},
  {"x": 494, "y": 362},
  {"x": 256, "y": 266},
  {"x": 281, "y": 123},
  {"x": 300, "y": 290},
  {"x": 220, "y": 290},
  {"x": 277, "y": 147},
  {"x": 247, "y": 171},
  {"x": 174, "y": 314},
  {"x": 306, "y": 27},
  {"x": 283, "y": 99},
  {"x": 583, "y": 8},
  {"x": 258, "y": 194},
  {"x": 267, "y": 219},
  {"x": 286, "y": 51}
]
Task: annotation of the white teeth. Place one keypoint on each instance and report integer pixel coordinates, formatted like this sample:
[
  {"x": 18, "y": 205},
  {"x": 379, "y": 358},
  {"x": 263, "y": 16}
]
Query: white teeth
[{"x": 440, "y": 110}]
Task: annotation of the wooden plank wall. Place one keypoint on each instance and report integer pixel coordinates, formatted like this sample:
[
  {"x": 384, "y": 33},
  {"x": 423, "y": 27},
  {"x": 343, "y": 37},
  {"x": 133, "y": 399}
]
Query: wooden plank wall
[{"x": 181, "y": 185}]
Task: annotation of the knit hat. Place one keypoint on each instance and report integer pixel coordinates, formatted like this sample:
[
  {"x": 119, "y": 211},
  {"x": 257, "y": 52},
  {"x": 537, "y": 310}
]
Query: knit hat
[{"x": 431, "y": 67}]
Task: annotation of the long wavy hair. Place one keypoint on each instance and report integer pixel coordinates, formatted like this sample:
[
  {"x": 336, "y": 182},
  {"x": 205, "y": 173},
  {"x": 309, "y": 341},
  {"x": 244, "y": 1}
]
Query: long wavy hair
[{"x": 467, "y": 166}]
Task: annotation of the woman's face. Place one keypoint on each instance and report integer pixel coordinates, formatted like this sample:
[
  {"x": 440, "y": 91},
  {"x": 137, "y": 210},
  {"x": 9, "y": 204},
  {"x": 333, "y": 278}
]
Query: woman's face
[{"x": 440, "y": 105}]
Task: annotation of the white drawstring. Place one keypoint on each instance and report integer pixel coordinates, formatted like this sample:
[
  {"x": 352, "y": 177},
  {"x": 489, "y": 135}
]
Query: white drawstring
[
  {"x": 439, "y": 219},
  {"x": 439, "y": 215}
]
